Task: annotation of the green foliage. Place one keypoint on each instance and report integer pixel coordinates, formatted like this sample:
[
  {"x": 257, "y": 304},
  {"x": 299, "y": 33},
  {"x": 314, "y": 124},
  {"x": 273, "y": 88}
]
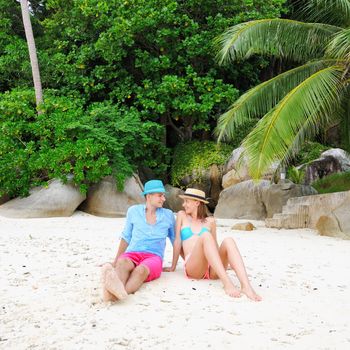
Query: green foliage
[
  {"x": 295, "y": 175},
  {"x": 240, "y": 133},
  {"x": 312, "y": 97},
  {"x": 66, "y": 140},
  {"x": 333, "y": 183},
  {"x": 15, "y": 68},
  {"x": 155, "y": 56},
  {"x": 309, "y": 152},
  {"x": 194, "y": 157},
  {"x": 123, "y": 81},
  {"x": 140, "y": 141}
]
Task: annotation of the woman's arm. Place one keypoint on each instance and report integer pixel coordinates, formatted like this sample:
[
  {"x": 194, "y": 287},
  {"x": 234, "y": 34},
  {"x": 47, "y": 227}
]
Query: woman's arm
[
  {"x": 212, "y": 225},
  {"x": 177, "y": 243}
]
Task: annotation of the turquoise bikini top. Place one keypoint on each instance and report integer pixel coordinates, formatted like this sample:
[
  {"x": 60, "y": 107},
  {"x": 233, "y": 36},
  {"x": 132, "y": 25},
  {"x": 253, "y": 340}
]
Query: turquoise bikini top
[{"x": 187, "y": 233}]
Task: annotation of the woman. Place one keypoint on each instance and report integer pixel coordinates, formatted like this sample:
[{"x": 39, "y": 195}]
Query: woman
[{"x": 203, "y": 257}]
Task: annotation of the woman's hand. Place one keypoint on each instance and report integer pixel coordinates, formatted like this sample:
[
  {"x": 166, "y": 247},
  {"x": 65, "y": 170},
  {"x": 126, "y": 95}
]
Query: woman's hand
[{"x": 168, "y": 269}]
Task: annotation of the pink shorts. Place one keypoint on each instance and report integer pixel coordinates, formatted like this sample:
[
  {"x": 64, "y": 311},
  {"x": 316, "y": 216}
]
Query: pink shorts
[{"x": 153, "y": 262}]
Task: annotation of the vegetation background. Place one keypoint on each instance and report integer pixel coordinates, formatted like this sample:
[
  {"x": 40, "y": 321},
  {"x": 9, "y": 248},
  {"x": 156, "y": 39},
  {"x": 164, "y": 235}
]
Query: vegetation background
[{"x": 126, "y": 85}]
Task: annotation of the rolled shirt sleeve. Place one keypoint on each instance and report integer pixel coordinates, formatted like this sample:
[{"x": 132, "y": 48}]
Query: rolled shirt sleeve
[{"x": 127, "y": 232}]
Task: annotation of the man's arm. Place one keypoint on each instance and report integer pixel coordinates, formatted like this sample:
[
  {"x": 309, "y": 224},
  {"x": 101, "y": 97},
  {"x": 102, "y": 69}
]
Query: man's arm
[
  {"x": 125, "y": 237},
  {"x": 122, "y": 248}
]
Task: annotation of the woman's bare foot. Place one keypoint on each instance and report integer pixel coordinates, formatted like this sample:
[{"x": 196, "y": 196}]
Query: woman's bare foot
[
  {"x": 106, "y": 295},
  {"x": 250, "y": 293},
  {"x": 114, "y": 285},
  {"x": 232, "y": 291}
]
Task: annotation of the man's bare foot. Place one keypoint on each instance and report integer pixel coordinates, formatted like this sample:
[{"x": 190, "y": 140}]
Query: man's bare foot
[
  {"x": 114, "y": 285},
  {"x": 250, "y": 293},
  {"x": 106, "y": 295},
  {"x": 232, "y": 291}
]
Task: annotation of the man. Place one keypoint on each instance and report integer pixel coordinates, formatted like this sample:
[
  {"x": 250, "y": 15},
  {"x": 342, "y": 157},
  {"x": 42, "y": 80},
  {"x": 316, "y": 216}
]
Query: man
[{"x": 140, "y": 254}]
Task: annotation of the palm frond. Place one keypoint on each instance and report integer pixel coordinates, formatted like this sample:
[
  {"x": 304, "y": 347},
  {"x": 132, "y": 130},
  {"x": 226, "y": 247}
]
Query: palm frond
[
  {"x": 339, "y": 47},
  {"x": 310, "y": 102},
  {"x": 335, "y": 12},
  {"x": 282, "y": 38},
  {"x": 307, "y": 133},
  {"x": 259, "y": 100}
]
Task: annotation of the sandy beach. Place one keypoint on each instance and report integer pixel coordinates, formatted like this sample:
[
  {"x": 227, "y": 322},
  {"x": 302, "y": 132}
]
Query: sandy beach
[{"x": 50, "y": 292}]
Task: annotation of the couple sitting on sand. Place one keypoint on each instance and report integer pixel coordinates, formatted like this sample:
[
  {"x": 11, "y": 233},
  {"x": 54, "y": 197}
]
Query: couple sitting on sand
[{"x": 140, "y": 254}]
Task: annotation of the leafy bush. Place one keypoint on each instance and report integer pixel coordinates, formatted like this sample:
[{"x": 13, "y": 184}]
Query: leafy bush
[
  {"x": 295, "y": 175},
  {"x": 65, "y": 140},
  {"x": 242, "y": 132},
  {"x": 309, "y": 152},
  {"x": 139, "y": 140},
  {"x": 333, "y": 183},
  {"x": 195, "y": 157}
]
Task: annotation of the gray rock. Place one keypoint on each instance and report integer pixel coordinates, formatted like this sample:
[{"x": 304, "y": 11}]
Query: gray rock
[
  {"x": 327, "y": 225},
  {"x": 244, "y": 226},
  {"x": 277, "y": 195},
  {"x": 230, "y": 178},
  {"x": 239, "y": 163},
  {"x": 328, "y": 213},
  {"x": 321, "y": 167},
  {"x": 173, "y": 201},
  {"x": 242, "y": 201},
  {"x": 3, "y": 199},
  {"x": 342, "y": 214},
  {"x": 342, "y": 156},
  {"x": 103, "y": 199},
  {"x": 57, "y": 199}
]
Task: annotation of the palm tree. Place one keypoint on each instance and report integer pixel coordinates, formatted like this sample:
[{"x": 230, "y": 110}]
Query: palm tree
[
  {"x": 294, "y": 105},
  {"x": 32, "y": 52}
]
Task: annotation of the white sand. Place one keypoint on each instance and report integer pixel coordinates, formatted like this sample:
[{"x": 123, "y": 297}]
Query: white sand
[{"x": 50, "y": 292}]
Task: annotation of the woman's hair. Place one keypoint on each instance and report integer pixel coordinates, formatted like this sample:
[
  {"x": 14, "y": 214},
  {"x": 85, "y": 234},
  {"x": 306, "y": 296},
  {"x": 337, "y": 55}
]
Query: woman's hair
[{"x": 202, "y": 212}]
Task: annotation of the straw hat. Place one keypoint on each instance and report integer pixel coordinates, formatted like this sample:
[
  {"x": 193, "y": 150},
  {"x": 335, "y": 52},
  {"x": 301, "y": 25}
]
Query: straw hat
[{"x": 193, "y": 193}]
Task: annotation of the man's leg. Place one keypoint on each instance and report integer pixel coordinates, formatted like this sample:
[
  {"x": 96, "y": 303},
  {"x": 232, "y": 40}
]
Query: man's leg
[
  {"x": 106, "y": 295},
  {"x": 150, "y": 268},
  {"x": 136, "y": 279},
  {"x": 115, "y": 279},
  {"x": 124, "y": 268}
]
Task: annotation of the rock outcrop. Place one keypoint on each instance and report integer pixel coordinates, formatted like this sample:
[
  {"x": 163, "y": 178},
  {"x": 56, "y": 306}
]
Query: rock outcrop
[
  {"x": 242, "y": 201},
  {"x": 57, "y": 199},
  {"x": 276, "y": 195},
  {"x": 3, "y": 199},
  {"x": 327, "y": 213},
  {"x": 236, "y": 169},
  {"x": 319, "y": 168},
  {"x": 256, "y": 201},
  {"x": 103, "y": 199},
  {"x": 173, "y": 201}
]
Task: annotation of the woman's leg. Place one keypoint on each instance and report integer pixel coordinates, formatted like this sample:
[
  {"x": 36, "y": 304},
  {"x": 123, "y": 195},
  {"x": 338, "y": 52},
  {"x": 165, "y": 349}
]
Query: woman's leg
[
  {"x": 230, "y": 254},
  {"x": 205, "y": 251}
]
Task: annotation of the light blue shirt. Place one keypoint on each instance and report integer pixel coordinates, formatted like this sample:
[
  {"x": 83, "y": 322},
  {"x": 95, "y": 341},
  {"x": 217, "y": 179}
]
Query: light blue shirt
[{"x": 144, "y": 237}]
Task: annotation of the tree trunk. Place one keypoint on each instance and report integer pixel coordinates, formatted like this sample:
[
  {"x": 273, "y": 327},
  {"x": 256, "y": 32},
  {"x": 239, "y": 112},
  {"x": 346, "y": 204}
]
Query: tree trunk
[{"x": 32, "y": 52}]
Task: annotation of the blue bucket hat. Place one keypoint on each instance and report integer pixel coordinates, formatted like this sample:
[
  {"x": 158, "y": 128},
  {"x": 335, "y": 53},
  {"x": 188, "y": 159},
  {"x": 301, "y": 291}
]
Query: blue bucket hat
[{"x": 153, "y": 186}]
